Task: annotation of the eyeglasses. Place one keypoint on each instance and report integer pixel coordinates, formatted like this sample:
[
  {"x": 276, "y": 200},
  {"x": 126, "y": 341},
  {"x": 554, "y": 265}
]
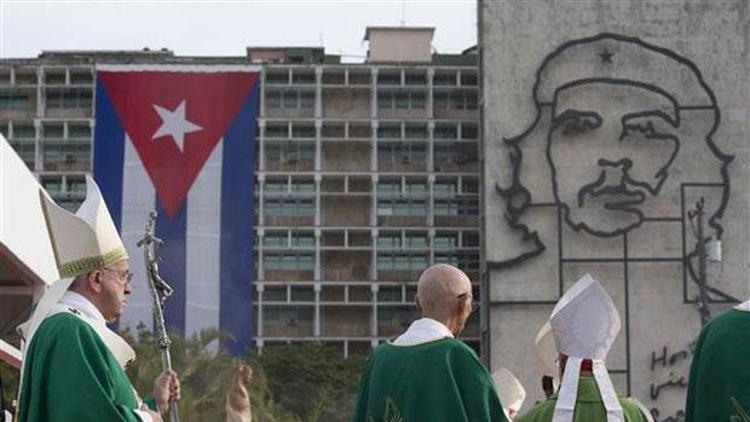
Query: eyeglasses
[
  {"x": 124, "y": 275},
  {"x": 474, "y": 303}
]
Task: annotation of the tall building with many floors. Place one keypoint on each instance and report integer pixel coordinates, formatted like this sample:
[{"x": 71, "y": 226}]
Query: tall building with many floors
[{"x": 366, "y": 173}]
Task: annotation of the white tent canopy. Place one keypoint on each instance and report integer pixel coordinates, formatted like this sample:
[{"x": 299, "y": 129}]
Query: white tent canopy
[{"x": 27, "y": 262}]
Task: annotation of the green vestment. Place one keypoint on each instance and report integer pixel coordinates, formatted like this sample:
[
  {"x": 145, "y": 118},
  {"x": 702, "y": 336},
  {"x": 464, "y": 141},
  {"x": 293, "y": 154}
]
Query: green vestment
[
  {"x": 719, "y": 386},
  {"x": 70, "y": 375},
  {"x": 441, "y": 380},
  {"x": 589, "y": 406}
]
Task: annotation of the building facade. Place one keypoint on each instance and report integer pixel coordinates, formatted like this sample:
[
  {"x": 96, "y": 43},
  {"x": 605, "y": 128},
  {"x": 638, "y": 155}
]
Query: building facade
[
  {"x": 366, "y": 174},
  {"x": 616, "y": 144}
]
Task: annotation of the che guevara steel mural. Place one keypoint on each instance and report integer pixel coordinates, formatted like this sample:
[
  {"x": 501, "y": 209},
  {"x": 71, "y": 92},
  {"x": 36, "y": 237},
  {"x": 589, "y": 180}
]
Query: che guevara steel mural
[{"x": 623, "y": 143}]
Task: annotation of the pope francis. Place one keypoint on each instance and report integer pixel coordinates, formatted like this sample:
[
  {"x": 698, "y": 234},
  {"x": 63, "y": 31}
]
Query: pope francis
[{"x": 74, "y": 365}]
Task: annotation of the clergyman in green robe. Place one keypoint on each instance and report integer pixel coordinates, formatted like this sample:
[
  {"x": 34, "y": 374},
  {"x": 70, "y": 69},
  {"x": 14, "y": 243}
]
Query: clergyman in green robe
[
  {"x": 584, "y": 325},
  {"x": 426, "y": 374},
  {"x": 719, "y": 385},
  {"x": 73, "y": 365}
]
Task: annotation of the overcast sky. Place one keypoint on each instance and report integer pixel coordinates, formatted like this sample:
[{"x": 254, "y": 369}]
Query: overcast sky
[{"x": 218, "y": 28}]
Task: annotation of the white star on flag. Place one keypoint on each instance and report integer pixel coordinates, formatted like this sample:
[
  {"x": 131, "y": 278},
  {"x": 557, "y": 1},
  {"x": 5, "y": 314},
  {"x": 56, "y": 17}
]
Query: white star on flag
[{"x": 174, "y": 124}]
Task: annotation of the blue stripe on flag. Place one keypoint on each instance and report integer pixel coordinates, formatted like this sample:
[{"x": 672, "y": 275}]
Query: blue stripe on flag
[
  {"x": 172, "y": 265},
  {"x": 109, "y": 150},
  {"x": 237, "y": 217}
]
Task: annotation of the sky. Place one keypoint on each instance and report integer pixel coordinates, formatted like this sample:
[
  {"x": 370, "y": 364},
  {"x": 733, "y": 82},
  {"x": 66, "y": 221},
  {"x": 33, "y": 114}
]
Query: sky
[{"x": 222, "y": 27}]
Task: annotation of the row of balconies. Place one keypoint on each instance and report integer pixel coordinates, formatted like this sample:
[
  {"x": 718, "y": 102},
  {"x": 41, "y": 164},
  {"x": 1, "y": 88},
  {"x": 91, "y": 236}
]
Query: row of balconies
[
  {"x": 362, "y": 76},
  {"x": 30, "y": 76},
  {"x": 353, "y": 75}
]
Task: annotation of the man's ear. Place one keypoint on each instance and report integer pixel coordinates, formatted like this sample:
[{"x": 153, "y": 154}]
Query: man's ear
[
  {"x": 419, "y": 307},
  {"x": 94, "y": 280}
]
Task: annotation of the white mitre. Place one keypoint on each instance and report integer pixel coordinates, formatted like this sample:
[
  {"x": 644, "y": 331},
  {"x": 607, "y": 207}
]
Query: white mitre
[
  {"x": 546, "y": 353},
  {"x": 584, "y": 324},
  {"x": 84, "y": 241},
  {"x": 511, "y": 391}
]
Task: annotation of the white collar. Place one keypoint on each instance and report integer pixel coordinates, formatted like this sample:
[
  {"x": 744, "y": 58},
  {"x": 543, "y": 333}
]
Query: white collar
[
  {"x": 421, "y": 331},
  {"x": 743, "y": 307},
  {"x": 78, "y": 301}
]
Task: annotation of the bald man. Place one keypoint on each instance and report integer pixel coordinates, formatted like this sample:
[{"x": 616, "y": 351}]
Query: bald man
[{"x": 426, "y": 374}]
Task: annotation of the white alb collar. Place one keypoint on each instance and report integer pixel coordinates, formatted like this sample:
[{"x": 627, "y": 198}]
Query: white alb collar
[
  {"x": 423, "y": 330},
  {"x": 743, "y": 306},
  {"x": 78, "y": 301}
]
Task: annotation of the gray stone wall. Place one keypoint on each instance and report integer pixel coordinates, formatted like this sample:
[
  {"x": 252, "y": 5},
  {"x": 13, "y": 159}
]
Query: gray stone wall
[{"x": 627, "y": 133}]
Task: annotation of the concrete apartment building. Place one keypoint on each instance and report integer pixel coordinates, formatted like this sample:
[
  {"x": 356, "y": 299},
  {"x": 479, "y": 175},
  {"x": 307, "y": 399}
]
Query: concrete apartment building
[{"x": 366, "y": 173}]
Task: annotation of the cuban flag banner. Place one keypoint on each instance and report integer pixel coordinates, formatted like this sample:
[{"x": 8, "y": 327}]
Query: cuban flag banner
[{"x": 180, "y": 139}]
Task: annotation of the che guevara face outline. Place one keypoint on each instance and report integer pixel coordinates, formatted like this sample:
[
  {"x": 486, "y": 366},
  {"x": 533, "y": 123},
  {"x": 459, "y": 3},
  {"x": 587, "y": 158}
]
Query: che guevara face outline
[{"x": 610, "y": 145}]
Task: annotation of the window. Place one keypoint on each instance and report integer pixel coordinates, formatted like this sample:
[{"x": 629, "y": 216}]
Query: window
[
  {"x": 275, "y": 187},
  {"x": 390, "y": 153},
  {"x": 79, "y": 130},
  {"x": 470, "y": 185},
  {"x": 469, "y": 131},
  {"x": 289, "y": 262},
  {"x": 397, "y": 317},
  {"x": 389, "y": 241},
  {"x": 464, "y": 100},
  {"x": 460, "y": 206},
  {"x": 303, "y": 240},
  {"x": 416, "y": 241},
  {"x": 466, "y": 261},
  {"x": 416, "y": 132},
  {"x": 458, "y": 100},
  {"x": 401, "y": 100},
  {"x": 443, "y": 79},
  {"x": 302, "y": 294},
  {"x": 71, "y": 155},
  {"x": 390, "y": 294},
  {"x": 471, "y": 239},
  {"x": 274, "y": 293},
  {"x": 55, "y": 77},
  {"x": 443, "y": 131},
  {"x": 416, "y": 189},
  {"x": 389, "y": 188},
  {"x": 389, "y": 131},
  {"x": 11, "y": 99},
  {"x": 445, "y": 241},
  {"x": 288, "y": 315},
  {"x": 289, "y": 207},
  {"x": 402, "y": 208},
  {"x": 277, "y": 131},
  {"x": 458, "y": 153},
  {"x": 69, "y": 97},
  {"x": 401, "y": 262},
  {"x": 389, "y": 77},
  {"x": 275, "y": 240},
  {"x": 301, "y": 130},
  {"x": 445, "y": 188},
  {"x": 277, "y": 78},
  {"x": 469, "y": 78},
  {"x": 53, "y": 131},
  {"x": 53, "y": 185},
  {"x": 303, "y": 188},
  {"x": 289, "y": 152},
  {"x": 81, "y": 77},
  {"x": 290, "y": 99},
  {"x": 23, "y": 131},
  {"x": 303, "y": 77},
  {"x": 416, "y": 78}
]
